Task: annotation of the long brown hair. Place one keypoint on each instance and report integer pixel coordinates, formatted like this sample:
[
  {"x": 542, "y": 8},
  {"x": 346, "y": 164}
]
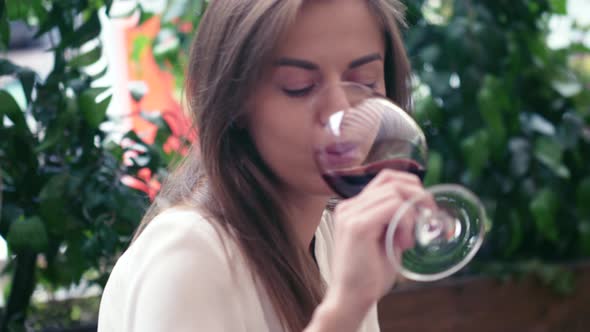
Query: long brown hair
[{"x": 224, "y": 176}]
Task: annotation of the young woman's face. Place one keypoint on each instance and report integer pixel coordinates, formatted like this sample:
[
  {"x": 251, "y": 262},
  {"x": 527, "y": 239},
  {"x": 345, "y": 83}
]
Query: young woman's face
[{"x": 330, "y": 42}]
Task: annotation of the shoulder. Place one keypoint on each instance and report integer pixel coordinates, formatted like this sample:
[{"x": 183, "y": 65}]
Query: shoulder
[
  {"x": 178, "y": 272},
  {"x": 180, "y": 228},
  {"x": 181, "y": 242}
]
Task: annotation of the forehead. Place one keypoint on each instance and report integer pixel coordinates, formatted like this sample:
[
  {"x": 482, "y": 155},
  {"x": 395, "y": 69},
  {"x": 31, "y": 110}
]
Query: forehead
[{"x": 325, "y": 30}]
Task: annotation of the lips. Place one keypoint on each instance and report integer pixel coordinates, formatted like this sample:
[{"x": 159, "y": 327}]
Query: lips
[
  {"x": 340, "y": 148},
  {"x": 339, "y": 155}
]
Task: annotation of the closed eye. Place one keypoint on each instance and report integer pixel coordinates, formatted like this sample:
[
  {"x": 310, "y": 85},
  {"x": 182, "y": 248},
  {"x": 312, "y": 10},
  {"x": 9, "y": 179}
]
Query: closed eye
[
  {"x": 298, "y": 92},
  {"x": 371, "y": 85}
]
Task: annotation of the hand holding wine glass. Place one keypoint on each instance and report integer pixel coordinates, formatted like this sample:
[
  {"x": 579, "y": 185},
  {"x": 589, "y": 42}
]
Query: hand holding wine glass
[{"x": 366, "y": 134}]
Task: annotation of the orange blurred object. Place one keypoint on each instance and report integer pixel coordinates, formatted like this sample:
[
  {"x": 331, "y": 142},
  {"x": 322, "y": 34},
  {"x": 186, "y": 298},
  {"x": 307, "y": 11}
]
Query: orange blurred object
[
  {"x": 160, "y": 87},
  {"x": 143, "y": 182},
  {"x": 159, "y": 98}
]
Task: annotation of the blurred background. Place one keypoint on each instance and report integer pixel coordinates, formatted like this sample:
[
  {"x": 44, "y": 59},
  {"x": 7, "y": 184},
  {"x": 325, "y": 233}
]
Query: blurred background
[{"x": 91, "y": 117}]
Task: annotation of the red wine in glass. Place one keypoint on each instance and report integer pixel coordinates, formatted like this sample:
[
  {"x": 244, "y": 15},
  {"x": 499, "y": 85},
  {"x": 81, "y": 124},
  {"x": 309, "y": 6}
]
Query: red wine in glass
[{"x": 349, "y": 182}]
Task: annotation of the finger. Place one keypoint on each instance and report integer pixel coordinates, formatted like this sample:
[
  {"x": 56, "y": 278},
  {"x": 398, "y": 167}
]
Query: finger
[
  {"x": 404, "y": 235},
  {"x": 378, "y": 216},
  {"x": 372, "y": 197},
  {"x": 408, "y": 191},
  {"x": 373, "y": 212},
  {"x": 389, "y": 175},
  {"x": 411, "y": 191},
  {"x": 375, "y": 196},
  {"x": 419, "y": 197}
]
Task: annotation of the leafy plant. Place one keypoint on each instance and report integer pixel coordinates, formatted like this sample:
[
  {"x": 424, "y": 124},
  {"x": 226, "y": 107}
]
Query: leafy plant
[
  {"x": 508, "y": 117},
  {"x": 68, "y": 203},
  {"x": 65, "y": 212}
]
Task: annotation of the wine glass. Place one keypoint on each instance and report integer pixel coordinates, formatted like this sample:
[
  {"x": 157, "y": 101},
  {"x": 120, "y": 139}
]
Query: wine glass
[{"x": 359, "y": 132}]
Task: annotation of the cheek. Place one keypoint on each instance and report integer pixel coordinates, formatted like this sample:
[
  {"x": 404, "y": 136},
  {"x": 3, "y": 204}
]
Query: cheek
[
  {"x": 381, "y": 89},
  {"x": 279, "y": 130},
  {"x": 282, "y": 133}
]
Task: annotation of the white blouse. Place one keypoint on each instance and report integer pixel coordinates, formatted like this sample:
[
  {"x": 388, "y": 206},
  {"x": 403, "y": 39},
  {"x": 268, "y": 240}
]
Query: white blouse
[{"x": 179, "y": 276}]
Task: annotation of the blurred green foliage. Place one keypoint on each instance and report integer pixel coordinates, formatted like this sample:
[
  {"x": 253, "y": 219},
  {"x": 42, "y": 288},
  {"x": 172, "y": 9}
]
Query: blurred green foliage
[
  {"x": 508, "y": 117},
  {"x": 64, "y": 211}
]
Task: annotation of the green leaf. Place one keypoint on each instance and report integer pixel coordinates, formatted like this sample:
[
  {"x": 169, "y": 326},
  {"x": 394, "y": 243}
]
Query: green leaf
[
  {"x": 520, "y": 156},
  {"x": 144, "y": 15},
  {"x": 86, "y": 32},
  {"x": 53, "y": 199},
  {"x": 87, "y": 58},
  {"x": 4, "y": 31},
  {"x": 544, "y": 207},
  {"x": 583, "y": 197},
  {"x": 430, "y": 53},
  {"x": 492, "y": 101},
  {"x": 157, "y": 119},
  {"x": 435, "y": 165},
  {"x": 17, "y": 10},
  {"x": 109, "y": 5},
  {"x": 26, "y": 76},
  {"x": 100, "y": 73},
  {"x": 11, "y": 109},
  {"x": 427, "y": 110},
  {"x": 7, "y": 67},
  {"x": 475, "y": 151},
  {"x": 94, "y": 112},
  {"x": 516, "y": 234},
  {"x": 559, "y": 6},
  {"x": 2, "y": 8},
  {"x": 140, "y": 45},
  {"x": 27, "y": 80},
  {"x": 28, "y": 234},
  {"x": 166, "y": 47},
  {"x": 549, "y": 152},
  {"x": 53, "y": 136},
  {"x": 570, "y": 130},
  {"x": 584, "y": 231},
  {"x": 48, "y": 21}
]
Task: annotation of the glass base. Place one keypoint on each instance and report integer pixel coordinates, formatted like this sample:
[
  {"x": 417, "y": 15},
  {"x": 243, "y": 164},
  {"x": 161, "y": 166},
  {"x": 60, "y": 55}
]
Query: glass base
[{"x": 447, "y": 236}]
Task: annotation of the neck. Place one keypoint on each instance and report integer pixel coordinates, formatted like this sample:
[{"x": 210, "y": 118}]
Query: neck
[{"x": 304, "y": 213}]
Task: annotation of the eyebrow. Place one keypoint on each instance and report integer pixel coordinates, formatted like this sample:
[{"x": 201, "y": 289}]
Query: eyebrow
[{"x": 307, "y": 65}]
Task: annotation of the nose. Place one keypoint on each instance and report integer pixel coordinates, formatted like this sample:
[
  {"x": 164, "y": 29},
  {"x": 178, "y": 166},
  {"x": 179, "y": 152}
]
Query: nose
[{"x": 330, "y": 100}]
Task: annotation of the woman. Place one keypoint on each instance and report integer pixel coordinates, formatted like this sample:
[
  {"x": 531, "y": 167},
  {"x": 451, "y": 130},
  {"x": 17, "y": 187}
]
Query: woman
[{"x": 238, "y": 239}]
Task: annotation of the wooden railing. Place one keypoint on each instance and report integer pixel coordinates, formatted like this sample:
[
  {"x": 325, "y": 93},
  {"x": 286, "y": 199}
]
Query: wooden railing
[{"x": 484, "y": 304}]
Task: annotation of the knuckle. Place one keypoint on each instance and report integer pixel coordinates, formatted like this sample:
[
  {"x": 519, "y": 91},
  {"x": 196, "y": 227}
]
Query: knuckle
[
  {"x": 341, "y": 208},
  {"x": 355, "y": 228},
  {"x": 415, "y": 178},
  {"x": 387, "y": 174},
  {"x": 393, "y": 194}
]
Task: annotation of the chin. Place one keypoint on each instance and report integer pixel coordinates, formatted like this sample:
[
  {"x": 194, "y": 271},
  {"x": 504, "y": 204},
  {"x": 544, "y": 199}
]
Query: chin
[
  {"x": 319, "y": 189},
  {"x": 314, "y": 186}
]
